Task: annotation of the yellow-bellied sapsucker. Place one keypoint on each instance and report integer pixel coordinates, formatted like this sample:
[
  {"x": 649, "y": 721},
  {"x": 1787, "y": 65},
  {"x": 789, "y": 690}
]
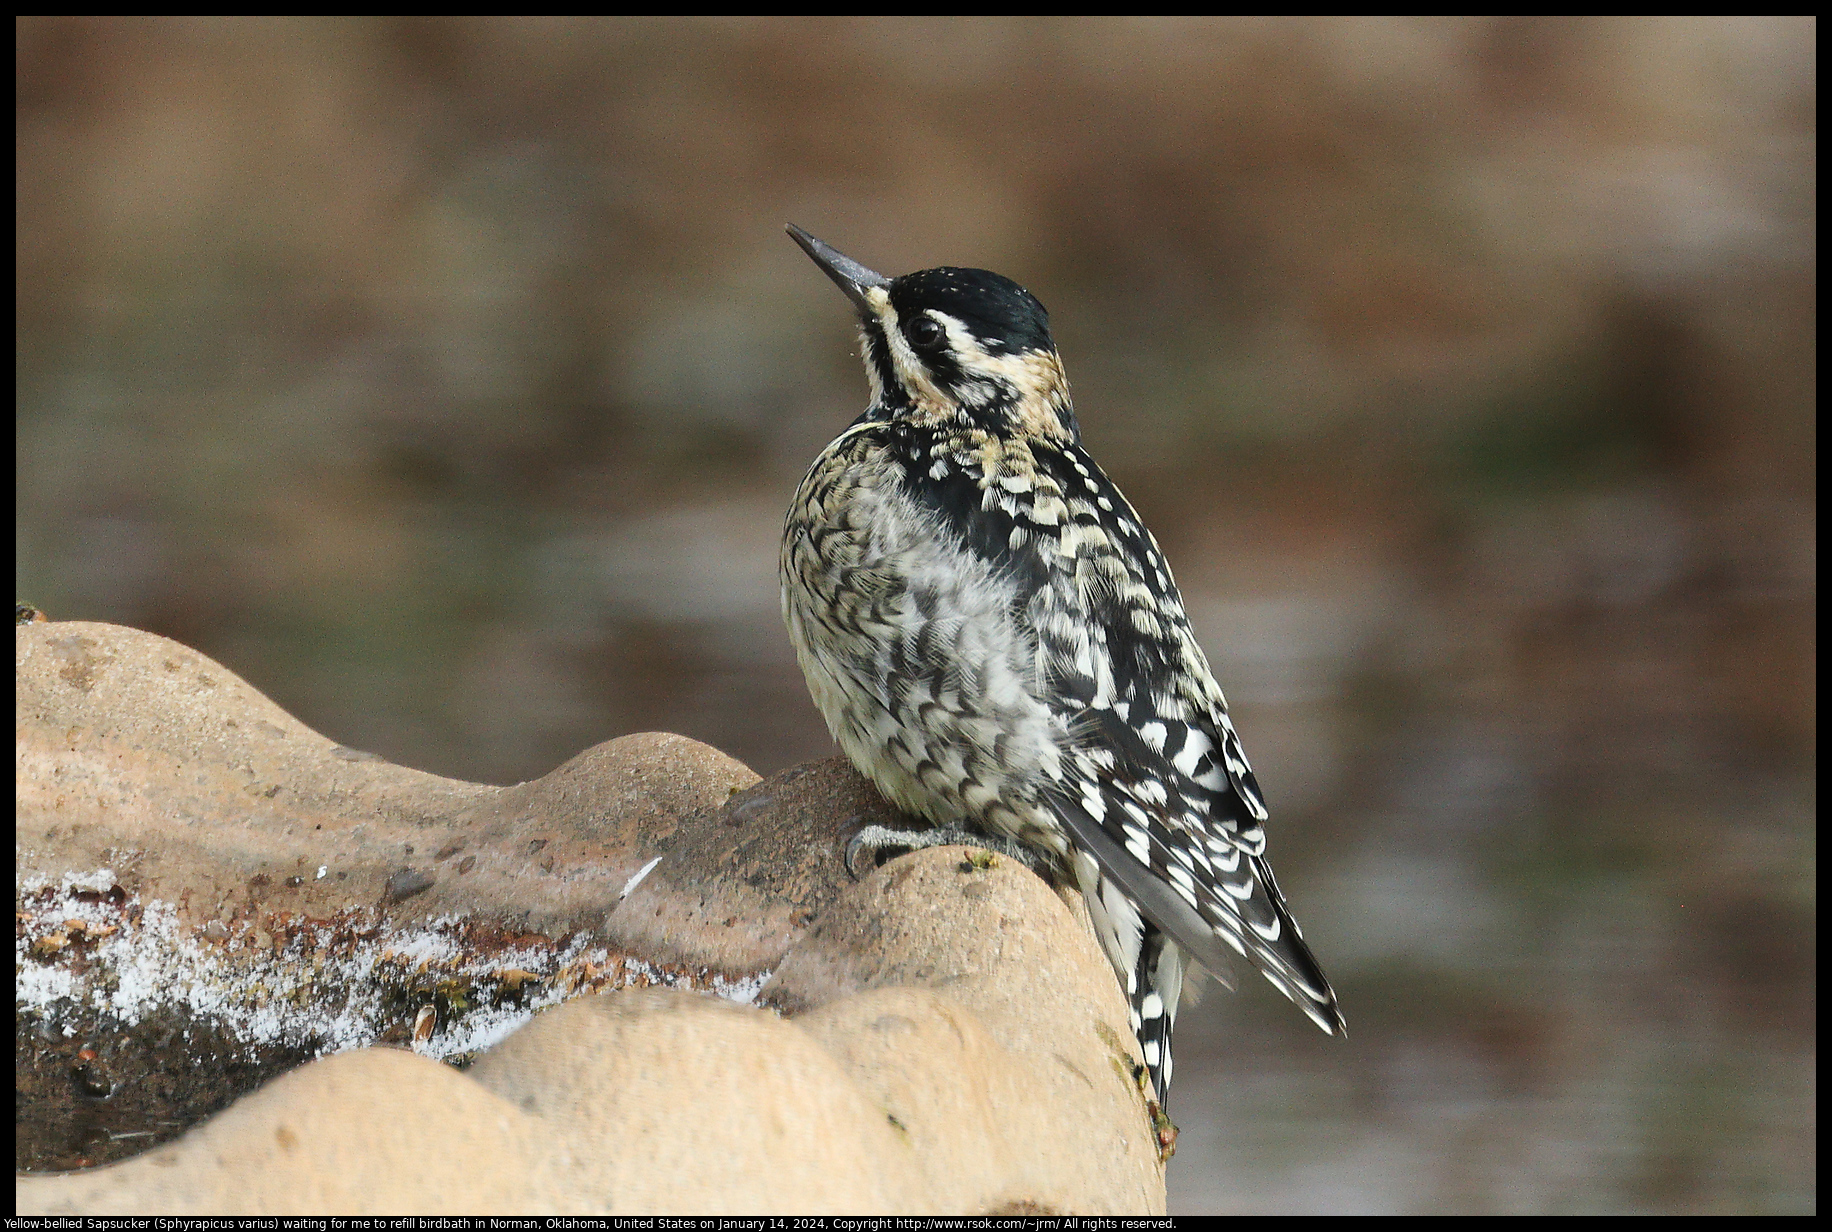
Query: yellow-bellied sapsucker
[{"x": 995, "y": 640}]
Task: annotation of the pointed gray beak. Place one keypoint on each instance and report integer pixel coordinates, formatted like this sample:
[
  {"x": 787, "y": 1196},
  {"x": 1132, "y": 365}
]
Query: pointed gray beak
[{"x": 847, "y": 274}]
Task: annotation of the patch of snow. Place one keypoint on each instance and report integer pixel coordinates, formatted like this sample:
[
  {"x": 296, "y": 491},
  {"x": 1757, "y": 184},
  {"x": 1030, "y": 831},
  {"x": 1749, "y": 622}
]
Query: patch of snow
[
  {"x": 337, "y": 984},
  {"x": 743, "y": 990}
]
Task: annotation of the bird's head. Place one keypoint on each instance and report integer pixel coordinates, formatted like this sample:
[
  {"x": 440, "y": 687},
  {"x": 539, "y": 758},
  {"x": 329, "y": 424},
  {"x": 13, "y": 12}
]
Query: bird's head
[{"x": 963, "y": 346}]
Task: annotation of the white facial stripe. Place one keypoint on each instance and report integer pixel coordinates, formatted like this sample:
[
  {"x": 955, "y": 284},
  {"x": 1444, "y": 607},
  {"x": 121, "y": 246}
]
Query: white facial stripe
[{"x": 872, "y": 378}]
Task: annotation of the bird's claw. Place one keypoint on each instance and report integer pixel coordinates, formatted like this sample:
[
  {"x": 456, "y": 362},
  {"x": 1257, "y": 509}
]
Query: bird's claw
[{"x": 874, "y": 839}]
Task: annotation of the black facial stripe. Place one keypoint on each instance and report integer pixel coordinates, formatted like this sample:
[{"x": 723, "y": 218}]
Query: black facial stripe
[{"x": 878, "y": 355}]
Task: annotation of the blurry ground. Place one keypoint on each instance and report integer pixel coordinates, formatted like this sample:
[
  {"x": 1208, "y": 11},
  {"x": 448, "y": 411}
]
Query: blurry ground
[{"x": 448, "y": 379}]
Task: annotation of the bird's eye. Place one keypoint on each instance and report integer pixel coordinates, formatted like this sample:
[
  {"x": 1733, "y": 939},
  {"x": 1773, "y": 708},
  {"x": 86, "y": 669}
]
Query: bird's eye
[{"x": 926, "y": 332}]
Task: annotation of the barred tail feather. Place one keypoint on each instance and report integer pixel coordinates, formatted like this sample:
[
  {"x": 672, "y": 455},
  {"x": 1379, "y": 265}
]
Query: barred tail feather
[
  {"x": 1158, "y": 987},
  {"x": 1285, "y": 960},
  {"x": 1246, "y": 913}
]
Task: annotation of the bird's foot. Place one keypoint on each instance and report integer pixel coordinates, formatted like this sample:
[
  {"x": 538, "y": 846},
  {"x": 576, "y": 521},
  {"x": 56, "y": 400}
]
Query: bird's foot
[
  {"x": 1163, "y": 1131},
  {"x": 883, "y": 844}
]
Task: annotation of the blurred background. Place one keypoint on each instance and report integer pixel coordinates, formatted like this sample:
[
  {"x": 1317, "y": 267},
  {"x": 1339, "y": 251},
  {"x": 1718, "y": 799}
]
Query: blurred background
[{"x": 448, "y": 380}]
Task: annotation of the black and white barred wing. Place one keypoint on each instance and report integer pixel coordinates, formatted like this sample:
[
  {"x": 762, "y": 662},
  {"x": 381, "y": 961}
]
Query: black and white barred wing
[
  {"x": 1187, "y": 853},
  {"x": 1154, "y": 783}
]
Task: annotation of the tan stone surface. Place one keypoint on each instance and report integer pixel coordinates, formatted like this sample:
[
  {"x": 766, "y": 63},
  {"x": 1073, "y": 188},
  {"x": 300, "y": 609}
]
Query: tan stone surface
[
  {"x": 137, "y": 753},
  {"x": 954, "y": 1041},
  {"x": 735, "y": 891},
  {"x": 1024, "y": 1097},
  {"x": 666, "y": 1102}
]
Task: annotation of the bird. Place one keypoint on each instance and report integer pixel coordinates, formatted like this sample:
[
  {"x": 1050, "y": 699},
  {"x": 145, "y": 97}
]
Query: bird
[{"x": 996, "y": 641}]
